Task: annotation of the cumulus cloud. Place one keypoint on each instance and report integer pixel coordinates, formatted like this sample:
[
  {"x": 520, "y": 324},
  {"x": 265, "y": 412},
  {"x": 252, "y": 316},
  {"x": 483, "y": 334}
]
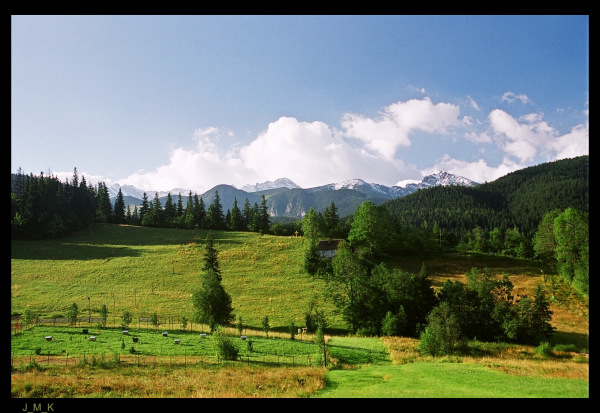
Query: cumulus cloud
[
  {"x": 314, "y": 153},
  {"x": 531, "y": 136},
  {"x": 478, "y": 171},
  {"x": 392, "y": 129},
  {"x": 308, "y": 153},
  {"x": 572, "y": 144}
]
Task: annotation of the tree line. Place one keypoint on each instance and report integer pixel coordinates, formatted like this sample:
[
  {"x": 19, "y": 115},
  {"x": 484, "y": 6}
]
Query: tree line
[{"x": 44, "y": 207}]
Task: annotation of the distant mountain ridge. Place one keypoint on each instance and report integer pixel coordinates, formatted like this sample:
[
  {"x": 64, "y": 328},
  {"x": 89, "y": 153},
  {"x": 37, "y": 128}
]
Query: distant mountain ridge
[{"x": 285, "y": 198}]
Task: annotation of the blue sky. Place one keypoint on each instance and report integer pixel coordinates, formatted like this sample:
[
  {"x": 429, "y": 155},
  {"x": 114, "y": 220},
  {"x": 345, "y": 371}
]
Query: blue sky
[{"x": 163, "y": 102}]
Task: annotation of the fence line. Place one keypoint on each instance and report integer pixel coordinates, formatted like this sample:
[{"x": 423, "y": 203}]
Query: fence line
[{"x": 172, "y": 322}]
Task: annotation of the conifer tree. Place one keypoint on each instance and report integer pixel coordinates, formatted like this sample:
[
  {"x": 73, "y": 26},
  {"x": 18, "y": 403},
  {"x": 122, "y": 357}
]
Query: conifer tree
[
  {"x": 199, "y": 212},
  {"x": 263, "y": 216},
  {"x": 119, "y": 211},
  {"x": 246, "y": 215},
  {"x": 215, "y": 216},
  {"x": 211, "y": 259},
  {"x": 169, "y": 211},
  {"x": 145, "y": 208},
  {"x": 235, "y": 222}
]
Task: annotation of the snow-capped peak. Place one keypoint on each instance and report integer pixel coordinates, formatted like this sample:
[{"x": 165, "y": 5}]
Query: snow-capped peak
[
  {"x": 278, "y": 183},
  {"x": 349, "y": 184}
]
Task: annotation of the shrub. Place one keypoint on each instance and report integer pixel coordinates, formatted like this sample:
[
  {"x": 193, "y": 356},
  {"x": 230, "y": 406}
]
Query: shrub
[
  {"x": 442, "y": 335},
  {"x": 126, "y": 319},
  {"x": 544, "y": 349},
  {"x": 224, "y": 346}
]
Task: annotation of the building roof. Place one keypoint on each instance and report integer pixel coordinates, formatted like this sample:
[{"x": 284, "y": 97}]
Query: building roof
[{"x": 329, "y": 244}]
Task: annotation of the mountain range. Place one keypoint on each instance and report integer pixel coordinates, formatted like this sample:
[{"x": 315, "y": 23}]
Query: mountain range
[{"x": 286, "y": 199}]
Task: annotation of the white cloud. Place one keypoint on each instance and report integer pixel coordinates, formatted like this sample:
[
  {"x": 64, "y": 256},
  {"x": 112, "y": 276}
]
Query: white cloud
[
  {"x": 478, "y": 171},
  {"x": 391, "y": 131},
  {"x": 478, "y": 137},
  {"x": 510, "y": 97},
  {"x": 523, "y": 140},
  {"x": 530, "y": 136},
  {"x": 313, "y": 153},
  {"x": 574, "y": 143},
  {"x": 473, "y": 104},
  {"x": 308, "y": 153}
]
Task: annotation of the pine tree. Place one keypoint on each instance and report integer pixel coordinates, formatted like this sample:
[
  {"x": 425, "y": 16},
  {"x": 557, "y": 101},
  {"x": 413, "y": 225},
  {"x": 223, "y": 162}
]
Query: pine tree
[
  {"x": 211, "y": 302},
  {"x": 211, "y": 260},
  {"x": 169, "y": 211},
  {"x": 246, "y": 215},
  {"x": 264, "y": 221},
  {"x": 145, "y": 208},
  {"x": 119, "y": 211},
  {"x": 189, "y": 212},
  {"x": 332, "y": 220},
  {"x": 236, "y": 222},
  {"x": 104, "y": 209},
  {"x": 179, "y": 211},
  {"x": 199, "y": 212},
  {"x": 215, "y": 216}
]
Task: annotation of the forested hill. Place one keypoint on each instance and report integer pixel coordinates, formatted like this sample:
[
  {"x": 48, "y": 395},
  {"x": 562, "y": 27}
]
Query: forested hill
[{"x": 518, "y": 199}]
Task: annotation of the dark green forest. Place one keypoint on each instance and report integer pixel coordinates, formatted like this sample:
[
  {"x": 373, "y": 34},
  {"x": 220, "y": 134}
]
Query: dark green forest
[{"x": 517, "y": 200}]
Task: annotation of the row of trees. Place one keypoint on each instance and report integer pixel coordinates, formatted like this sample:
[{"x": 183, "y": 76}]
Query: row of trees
[
  {"x": 44, "y": 207},
  {"x": 196, "y": 215}
]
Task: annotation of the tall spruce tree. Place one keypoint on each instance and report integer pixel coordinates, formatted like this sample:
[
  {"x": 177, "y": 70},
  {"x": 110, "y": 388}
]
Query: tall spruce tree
[
  {"x": 211, "y": 259},
  {"x": 215, "y": 216},
  {"x": 119, "y": 211},
  {"x": 264, "y": 221},
  {"x": 236, "y": 221},
  {"x": 211, "y": 302},
  {"x": 145, "y": 208}
]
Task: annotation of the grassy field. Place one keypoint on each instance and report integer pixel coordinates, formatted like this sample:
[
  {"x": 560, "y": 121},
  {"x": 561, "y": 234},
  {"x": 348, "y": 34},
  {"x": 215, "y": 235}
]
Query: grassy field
[{"x": 146, "y": 270}]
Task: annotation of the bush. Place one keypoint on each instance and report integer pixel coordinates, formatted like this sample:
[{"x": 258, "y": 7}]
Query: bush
[
  {"x": 544, "y": 349},
  {"x": 442, "y": 335},
  {"x": 224, "y": 346}
]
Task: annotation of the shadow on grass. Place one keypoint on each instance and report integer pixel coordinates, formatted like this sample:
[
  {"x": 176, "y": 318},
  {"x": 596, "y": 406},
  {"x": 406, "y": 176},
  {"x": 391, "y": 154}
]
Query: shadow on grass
[
  {"x": 580, "y": 340},
  {"x": 66, "y": 251}
]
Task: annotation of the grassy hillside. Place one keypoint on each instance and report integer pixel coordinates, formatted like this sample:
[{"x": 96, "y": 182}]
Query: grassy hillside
[{"x": 146, "y": 270}]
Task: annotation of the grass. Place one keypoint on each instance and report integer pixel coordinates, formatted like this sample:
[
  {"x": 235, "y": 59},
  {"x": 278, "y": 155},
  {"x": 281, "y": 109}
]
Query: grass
[
  {"x": 388, "y": 367},
  {"x": 147, "y": 270},
  {"x": 445, "y": 380}
]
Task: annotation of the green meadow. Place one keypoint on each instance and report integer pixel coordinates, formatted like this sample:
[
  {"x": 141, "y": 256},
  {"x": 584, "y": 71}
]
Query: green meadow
[{"x": 149, "y": 270}]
